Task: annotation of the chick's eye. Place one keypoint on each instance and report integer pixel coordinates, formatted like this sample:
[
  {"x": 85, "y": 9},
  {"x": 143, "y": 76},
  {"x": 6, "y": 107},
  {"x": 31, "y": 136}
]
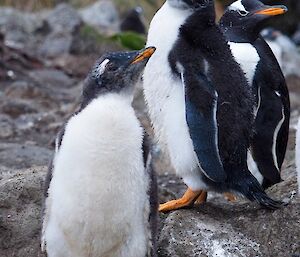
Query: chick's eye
[
  {"x": 112, "y": 67},
  {"x": 242, "y": 13}
]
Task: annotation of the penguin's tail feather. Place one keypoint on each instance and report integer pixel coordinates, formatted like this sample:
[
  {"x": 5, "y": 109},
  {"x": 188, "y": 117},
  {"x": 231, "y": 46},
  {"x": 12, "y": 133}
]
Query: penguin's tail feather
[
  {"x": 248, "y": 185},
  {"x": 263, "y": 199}
]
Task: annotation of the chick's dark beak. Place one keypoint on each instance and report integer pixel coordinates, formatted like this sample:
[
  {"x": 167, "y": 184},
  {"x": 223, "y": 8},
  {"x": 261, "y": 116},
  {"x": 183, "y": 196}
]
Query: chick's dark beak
[
  {"x": 273, "y": 10},
  {"x": 144, "y": 54}
]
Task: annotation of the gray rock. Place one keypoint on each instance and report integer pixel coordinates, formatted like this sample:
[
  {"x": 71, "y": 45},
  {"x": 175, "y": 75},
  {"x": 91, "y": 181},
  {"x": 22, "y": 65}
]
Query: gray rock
[
  {"x": 6, "y": 126},
  {"x": 102, "y": 15},
  {"x": 64, "y": 23},
  {"x": 13, "y": 155},
  {"x": 64, "y": 18},
  {"x": 13, "y": 19},
  {"x": 56, "y": 44},
  {"x": 23, "y": 89},
  {"x": 222, "y": 229},
  {"x": 18, "y": 26},
  {"x": 20, "y": 212},
  {"x": 51, "y": 78},
  {"x": 16, "y": 107}
]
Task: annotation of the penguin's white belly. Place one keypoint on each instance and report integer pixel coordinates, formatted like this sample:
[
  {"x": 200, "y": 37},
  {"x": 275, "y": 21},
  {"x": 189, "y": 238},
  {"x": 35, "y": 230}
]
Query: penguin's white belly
[
  {"x": 246, "y": 55},
  {"x": 98, "y": 202},
  {"x": 165, "y": 98}
]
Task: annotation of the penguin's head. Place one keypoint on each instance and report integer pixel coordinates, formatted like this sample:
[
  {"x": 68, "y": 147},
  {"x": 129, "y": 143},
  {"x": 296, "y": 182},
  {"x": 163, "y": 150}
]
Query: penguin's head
[
  {"x": 116, "y": 72},
  {"x": 246, "y": 18},
  {"x": 191, "y": 4}
]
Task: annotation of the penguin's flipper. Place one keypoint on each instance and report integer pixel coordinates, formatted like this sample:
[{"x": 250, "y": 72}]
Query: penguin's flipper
[
  {"x": 266, "y": 139},
  {"x": 186, "y": 200},
  {"x": 276, "y": 101},
  {"x": 201, "y": 111}
]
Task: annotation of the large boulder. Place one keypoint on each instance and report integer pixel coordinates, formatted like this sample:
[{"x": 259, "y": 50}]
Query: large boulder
[
  {"x": 64, "y": 23},
  {"x": 18, "y": 27},
  {"x": 64, "y": 18},
  {"x": 102, "y": 15},
  {"x": 222, "y": 229}
]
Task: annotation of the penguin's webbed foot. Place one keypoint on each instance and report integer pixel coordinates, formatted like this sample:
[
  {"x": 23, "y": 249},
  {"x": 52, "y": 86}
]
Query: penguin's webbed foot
[
  {"x": 201, "y": 198},
  {"x": 230, "y": 197},
  {"x": 186, "y": 200}
]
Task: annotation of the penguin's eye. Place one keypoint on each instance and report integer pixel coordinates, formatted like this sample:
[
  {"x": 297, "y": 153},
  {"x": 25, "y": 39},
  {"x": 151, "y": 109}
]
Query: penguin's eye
[
  {"x": 112, "y": 67},
  {"x": 242, "y": 12}
]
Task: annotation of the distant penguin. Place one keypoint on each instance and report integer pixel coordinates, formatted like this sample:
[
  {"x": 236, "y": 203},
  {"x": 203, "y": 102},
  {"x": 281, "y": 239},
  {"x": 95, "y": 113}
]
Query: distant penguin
[
  {"x": 200, "y": 104},
  {"x": 100, "y": 194},
  {"x": 241, "y": 24},
  {"x": 298, "y": 154},
  {"x": 285, "y": 50},
  {"x": 133, "y": 21}
]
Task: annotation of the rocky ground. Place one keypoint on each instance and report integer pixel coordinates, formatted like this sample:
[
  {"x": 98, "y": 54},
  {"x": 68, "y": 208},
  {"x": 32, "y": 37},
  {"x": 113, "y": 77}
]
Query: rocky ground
[{"x": 43, "y": 60}]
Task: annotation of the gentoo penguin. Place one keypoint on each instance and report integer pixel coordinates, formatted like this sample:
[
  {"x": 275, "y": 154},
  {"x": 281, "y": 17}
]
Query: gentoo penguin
[
  {"x": 133, "y": 21},
  {"x": 241, "y": 24},
  {"x": 200, "y": 104},
  {"x": 97, "y": 200}
]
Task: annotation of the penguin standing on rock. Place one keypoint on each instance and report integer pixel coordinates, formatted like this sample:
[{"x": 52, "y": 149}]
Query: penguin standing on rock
[
  {"x": 200, "y": 104},
  {"x": 100, "y": 198},
  {"x": 241, "y": 24}
]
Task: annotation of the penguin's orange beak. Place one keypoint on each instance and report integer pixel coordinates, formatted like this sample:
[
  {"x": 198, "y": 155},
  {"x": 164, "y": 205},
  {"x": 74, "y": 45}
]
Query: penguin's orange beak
[
  {"x": 144, "y": 54},
  {"x": 273, "y": 11}
]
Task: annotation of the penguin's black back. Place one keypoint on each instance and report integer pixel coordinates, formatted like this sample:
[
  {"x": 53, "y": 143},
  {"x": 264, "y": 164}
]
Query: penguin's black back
[
  {"x": 201, "y": 44},
  {"x": 269, "y": 79}
]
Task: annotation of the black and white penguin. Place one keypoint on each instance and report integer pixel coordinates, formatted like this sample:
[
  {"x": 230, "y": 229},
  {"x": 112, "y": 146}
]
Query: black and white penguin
[
  {"x": 241, "y": 24},
  {"x": 100, "y": 195},
  {"x": 133, "y": 21},
  {"x": 200, "y": 103}
]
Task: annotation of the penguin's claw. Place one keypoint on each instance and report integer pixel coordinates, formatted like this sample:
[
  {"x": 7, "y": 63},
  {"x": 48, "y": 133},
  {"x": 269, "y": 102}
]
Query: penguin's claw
[
  {"x": 201, "y": 198},
  {"x": 230, "y": 197},
  {"x": 186, "y": 200}
]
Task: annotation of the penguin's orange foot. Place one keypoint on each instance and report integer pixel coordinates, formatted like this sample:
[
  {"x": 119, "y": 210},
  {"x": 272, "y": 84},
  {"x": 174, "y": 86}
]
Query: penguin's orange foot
[
  {"x": 201, "y": 198},
  {"x": 186, "y": 200},
  {"x": 230, "y": 197}
]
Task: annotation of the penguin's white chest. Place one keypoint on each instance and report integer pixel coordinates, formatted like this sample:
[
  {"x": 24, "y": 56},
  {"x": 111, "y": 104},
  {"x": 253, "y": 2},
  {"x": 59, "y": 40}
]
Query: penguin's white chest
[
  {"x": 164, "y": 94},
  {"x": 246, "y": 55},
  {"x": 98, "y": 202}
]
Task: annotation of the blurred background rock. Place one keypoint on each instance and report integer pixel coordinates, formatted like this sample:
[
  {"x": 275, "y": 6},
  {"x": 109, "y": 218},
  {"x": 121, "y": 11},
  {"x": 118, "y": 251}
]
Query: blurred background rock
[{"x": 46, "y": 50}]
